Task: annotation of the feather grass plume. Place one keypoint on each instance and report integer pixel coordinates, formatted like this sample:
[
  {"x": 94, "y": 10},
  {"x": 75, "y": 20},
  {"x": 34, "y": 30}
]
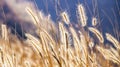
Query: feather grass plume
[
  {"x": 65, "y": 17},
  {"x": 82, "y": 15},
  {"x": 97, "y": 33},
  {"x": 113, "y": 40},
  {"x": 94, "y": 21}
]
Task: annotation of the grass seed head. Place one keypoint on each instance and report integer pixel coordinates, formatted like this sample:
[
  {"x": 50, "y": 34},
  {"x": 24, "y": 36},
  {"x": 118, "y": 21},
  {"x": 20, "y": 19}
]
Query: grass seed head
[
  {"x": 82, "y": 15},
  {"x": 65, "y": 17}
]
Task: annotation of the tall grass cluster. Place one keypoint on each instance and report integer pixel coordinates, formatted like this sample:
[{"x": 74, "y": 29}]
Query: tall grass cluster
[{"x": 61, "y": 46}]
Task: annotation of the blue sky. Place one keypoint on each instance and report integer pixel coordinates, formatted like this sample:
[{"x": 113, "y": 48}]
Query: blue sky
[
  {"x": 49, "y": 6},
  {"x": 107, "y": 11}
]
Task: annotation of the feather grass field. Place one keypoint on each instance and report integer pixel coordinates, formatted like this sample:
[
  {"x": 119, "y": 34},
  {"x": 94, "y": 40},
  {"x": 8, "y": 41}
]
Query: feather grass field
[{"x": 59, "y": 46}]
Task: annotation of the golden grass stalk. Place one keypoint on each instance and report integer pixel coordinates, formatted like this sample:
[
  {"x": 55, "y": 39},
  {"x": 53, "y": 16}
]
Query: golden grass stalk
[
  {"x": 63, "y": 44},
  {"x": 27, "y": 64},
  {"x": 35, "y": 43},
  {"x": 62, "y": 33},
  {"x": 41, "y": 21},
  {"x": 37, "y": 47},
  {"x": 97, "y": 33},
  {"x": 108, "y": 55},
  {"x": 48, "y": 36},
  {"x": 76, "y": 40},
  {"x": 4, "y": 32},
  {"x": 46, "y": 49},
  {"x": 33, "y": 16},
  {"x": 91, "y": 44},
  {"x": 8, "y": 60},
  {"x": 82, "y": 15},
  {"x": 93, "y": 59},
  {"x": 115, "y": 52},
  {"x": 55, "y": 54},
  {"x": 1, "y": 56},
  {"x": 84, "y": 47}
]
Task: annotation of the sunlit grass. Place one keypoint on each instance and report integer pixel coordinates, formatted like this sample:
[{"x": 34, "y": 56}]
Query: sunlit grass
[{"x": 59, "y": 46}]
